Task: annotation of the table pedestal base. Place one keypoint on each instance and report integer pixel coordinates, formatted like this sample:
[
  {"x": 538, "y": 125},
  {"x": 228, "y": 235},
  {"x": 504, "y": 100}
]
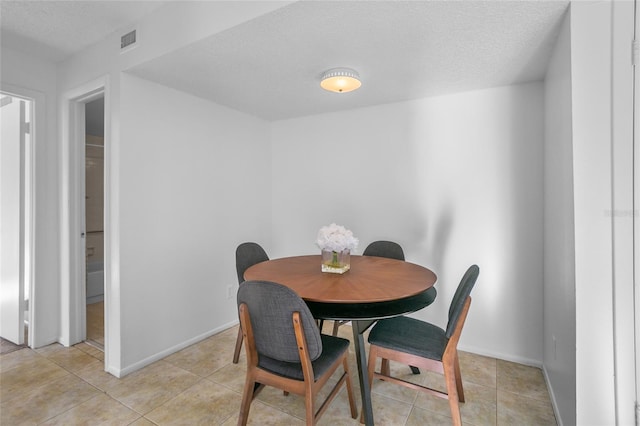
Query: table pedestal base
[{"x": 359, "y": 327}]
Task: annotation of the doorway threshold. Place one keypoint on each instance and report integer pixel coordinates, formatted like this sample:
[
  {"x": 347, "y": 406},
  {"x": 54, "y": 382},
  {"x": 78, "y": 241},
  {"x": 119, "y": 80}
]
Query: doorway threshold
[{"x": 95, "y": 344}]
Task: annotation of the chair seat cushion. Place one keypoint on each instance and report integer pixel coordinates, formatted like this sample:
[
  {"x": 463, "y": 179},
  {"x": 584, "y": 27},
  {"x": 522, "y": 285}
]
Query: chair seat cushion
[
  {"x": 332, "y": 349},
  {"x": 411, "y": 336}
]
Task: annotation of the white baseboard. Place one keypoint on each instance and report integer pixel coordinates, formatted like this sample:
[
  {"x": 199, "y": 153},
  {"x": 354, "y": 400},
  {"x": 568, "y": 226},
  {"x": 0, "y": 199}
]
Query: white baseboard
[
  {"x": 162, "y": 354},
  {"x": 505, "y": 357},
  {"x": 552, "y": 396},
  {"x": 41, "y": 343}
]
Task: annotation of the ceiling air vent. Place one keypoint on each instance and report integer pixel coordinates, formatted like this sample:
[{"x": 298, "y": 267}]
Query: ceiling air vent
[{"x": 128, "y": 39}]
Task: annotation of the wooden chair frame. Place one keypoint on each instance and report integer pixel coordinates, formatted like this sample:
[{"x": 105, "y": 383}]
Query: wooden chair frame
[
  {"x": 238, "y": 347},
  {"x": 449, "y": 367},
  {"x": 257, "y": 378}
]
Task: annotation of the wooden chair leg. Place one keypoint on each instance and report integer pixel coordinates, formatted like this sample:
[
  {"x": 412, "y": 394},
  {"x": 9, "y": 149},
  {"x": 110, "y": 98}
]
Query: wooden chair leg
[
  {"x": 459, "y": 380},
  {"x": 245, "y": 405},
  {"x": 336, "y": 324},
  {"x": 236, "y": 352},
  {"x": 384, "y": 368},
  {"x": 309, "y": 405},
  {"x": 452, "y": 391},
  {"x": 352, "y": 400}
]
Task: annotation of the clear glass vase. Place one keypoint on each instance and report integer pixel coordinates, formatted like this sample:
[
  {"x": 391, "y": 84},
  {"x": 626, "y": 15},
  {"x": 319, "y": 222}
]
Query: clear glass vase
[{"x": 336, "y": 262}]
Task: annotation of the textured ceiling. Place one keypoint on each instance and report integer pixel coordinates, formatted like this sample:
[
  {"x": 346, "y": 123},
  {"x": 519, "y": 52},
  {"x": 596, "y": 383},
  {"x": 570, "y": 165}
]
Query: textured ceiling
[
  {"x": 270, "y": 66},
  {"x": 56, "y": 30}
]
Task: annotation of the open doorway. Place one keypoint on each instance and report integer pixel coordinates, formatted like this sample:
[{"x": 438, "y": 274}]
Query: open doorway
[
  {"x": 73, "y": 231},
  {"x": 94, "y": 221},
  {"x": 15, "y": 219}
]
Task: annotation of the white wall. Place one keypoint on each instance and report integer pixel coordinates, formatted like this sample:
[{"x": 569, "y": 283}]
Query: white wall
[
  {"x": 195, "y": 182},
  {"x": 105, "y": 62},
  {"x": 32, "y": 77},
  {"x": 559, "y": 244},
  {"x": 455, "y": 180}
]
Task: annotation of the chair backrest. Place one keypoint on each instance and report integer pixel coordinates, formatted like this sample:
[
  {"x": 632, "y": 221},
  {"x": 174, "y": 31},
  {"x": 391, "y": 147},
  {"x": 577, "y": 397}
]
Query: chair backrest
[
  {"x": 459, "y": 298},
  {"x": 271, "y": 307},
  {"x": 387, "y": 249},
  {"x": 248, "y": 254}
]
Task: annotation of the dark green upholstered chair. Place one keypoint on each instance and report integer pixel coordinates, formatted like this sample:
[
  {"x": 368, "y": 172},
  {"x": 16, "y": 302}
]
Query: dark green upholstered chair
[
  {"x": 286, "y": 350},
  {"x": 418, "y": 343},
  {"x": 247, "y": 255},
  {"x": 387, "y": 249}
]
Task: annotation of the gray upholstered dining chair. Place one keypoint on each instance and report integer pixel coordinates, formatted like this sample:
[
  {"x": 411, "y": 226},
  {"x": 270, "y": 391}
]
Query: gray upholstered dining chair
[
  {"x": 388, "y": 249},
  {"x": 247, "y": 255},
  {"x": 286, "y": 350},
  {"x": 414, "y": 342}
]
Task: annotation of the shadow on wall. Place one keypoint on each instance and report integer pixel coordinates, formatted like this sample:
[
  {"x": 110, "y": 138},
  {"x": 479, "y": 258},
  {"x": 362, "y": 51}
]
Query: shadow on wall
[{"x": 438, "y": 245}]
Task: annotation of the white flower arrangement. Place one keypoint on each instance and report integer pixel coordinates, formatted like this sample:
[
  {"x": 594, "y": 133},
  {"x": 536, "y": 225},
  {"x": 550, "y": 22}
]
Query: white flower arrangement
[{"x": 336, "y": 238}]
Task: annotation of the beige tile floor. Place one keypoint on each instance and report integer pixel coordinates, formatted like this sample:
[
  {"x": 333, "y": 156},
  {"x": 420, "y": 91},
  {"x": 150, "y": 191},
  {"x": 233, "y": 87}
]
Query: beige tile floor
[
  {"x": 95, "y": 324},
  {"x": 199, "y": 385}
]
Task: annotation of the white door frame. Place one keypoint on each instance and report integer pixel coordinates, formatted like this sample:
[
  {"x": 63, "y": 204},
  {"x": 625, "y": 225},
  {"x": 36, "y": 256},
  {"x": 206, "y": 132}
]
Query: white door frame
[
  {"x": 621, "y": 214},
  {"x": 636, "y": 201},
  {"x": 72, "y": 221}
]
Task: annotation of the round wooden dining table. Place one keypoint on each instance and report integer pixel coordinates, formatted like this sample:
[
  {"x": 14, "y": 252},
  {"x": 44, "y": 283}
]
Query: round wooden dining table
[{"x": 374, "y": 288}]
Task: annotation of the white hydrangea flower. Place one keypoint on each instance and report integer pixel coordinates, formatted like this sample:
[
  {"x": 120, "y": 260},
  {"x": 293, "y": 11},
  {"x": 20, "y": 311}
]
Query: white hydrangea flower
[{"x": 336, "y": 238}]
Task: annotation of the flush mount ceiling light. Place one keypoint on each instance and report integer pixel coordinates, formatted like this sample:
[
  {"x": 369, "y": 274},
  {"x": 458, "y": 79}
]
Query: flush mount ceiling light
[{"x": 340, "y": 80}]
